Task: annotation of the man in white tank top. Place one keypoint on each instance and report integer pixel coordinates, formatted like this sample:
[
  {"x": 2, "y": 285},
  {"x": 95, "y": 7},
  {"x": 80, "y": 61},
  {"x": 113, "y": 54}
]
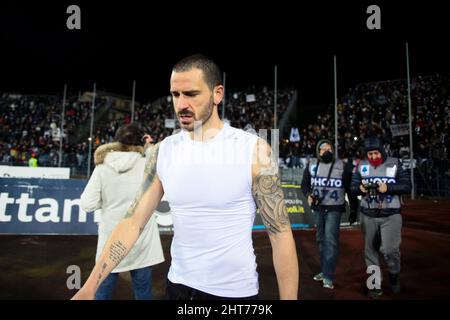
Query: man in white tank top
[{"x": 214, "y": 176}]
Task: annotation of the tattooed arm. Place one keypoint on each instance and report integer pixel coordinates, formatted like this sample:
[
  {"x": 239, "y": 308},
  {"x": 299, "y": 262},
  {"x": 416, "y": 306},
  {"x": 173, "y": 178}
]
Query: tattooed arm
[
  {"x": 127, "y": 232},
  {"x": 269, "y": 198}
]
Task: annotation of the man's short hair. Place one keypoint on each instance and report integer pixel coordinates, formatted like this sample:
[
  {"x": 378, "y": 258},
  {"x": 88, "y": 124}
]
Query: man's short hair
[{"x": 211, "y": 71}]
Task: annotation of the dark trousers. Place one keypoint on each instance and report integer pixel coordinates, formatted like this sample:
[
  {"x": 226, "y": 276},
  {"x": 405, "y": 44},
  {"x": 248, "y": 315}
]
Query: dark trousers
[
  {"x": 141, "y": 280},
  {"x": 327, "y": 237},
  {"x": 178, "y": 291}
]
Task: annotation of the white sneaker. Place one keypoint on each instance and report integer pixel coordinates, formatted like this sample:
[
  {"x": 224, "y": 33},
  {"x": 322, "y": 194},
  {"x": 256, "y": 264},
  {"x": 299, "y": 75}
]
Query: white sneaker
[
  {"x": 328, "y": 283},
  {"x": 318, "y": 277}
]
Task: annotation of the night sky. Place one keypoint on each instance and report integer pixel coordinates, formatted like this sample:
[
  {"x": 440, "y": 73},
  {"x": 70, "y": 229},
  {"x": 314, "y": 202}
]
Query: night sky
[{"x": 130, "y": 40}]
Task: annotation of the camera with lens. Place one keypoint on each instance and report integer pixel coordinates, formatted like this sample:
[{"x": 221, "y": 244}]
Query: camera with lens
[
  {"x": 315, "y": 201},
  {"x": 372, "y": 188}
]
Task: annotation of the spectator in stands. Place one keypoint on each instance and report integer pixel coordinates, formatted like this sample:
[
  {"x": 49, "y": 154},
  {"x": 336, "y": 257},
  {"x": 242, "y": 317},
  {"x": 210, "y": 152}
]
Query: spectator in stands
[
  {"x": 295, "y": 156},
  {"x": 33, "y": 161}
]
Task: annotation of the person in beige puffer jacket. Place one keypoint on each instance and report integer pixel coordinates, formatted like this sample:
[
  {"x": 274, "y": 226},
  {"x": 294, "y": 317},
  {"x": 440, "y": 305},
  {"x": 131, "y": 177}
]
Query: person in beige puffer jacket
[{"x": 112, "y": 187}]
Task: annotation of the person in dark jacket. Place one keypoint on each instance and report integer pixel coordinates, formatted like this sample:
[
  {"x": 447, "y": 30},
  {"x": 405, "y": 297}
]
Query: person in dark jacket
[
  {"x": 325, "y": 182},
  {"x": 381, "y": 180}
]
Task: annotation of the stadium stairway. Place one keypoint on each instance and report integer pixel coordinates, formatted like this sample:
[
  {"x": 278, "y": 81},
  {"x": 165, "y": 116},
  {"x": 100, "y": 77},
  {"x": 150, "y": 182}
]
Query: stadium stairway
[{"x": 101, "y": 112}]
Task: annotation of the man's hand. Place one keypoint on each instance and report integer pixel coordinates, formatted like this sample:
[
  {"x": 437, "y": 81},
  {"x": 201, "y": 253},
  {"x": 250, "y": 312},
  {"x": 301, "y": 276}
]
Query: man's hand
[
  {"x": 364, "y": 190},
  {"x": 147, "y": 138},
  {"x": 382, "y": 187},
  {"x": 310, "y": 200},
  {"x": 84, "y": 294},
  {"x": 148, "y": 141}
]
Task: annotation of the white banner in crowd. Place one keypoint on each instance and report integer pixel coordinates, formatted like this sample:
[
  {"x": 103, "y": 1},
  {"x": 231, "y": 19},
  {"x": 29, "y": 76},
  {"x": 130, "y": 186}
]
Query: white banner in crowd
[
  {"x": 250, "y": 98},
  {"x": 30, "y": 172},
  {"x": 295, "y": 135},
  {"x": 406, "y": 163},
  {"x": 399, "y": 129},
  {"x": 169, "y": 123}
]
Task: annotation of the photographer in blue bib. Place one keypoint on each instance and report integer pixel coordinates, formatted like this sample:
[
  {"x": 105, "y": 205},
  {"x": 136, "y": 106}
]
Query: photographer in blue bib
[
  {"x": 380, "y": 180},
  {"x": 325, "y": 182}
]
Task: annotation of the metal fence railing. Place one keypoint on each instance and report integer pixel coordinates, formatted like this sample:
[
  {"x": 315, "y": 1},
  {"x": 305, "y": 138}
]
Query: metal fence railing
[
  {"x": 291, "y": 175},
  {"x": 433, "y": 179}
]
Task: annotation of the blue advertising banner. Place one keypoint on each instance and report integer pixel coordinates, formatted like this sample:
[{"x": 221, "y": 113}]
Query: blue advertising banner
[
  {"x": 52, "y": 206},
  {"x": 44, "y": 206}
]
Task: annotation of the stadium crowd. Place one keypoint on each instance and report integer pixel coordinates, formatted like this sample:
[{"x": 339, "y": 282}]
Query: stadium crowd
[
  {"x": 30, "y": 124},
  {"x": 382, "y": 109}
]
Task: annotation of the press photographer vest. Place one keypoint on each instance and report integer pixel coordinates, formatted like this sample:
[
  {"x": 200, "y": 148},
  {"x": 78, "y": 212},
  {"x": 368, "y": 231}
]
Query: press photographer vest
[
  {"x": 331, "y": 192},
  {"x": 386, "y": 172}
]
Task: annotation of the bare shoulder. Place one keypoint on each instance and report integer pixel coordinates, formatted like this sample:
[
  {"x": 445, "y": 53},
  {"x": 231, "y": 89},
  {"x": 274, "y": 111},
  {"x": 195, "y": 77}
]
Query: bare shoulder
[{"x": 263, "y": 159}]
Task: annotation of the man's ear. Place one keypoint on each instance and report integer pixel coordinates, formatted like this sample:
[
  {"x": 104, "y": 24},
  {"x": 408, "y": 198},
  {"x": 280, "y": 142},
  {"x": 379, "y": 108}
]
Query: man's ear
[{"x": 218, "y": 94}]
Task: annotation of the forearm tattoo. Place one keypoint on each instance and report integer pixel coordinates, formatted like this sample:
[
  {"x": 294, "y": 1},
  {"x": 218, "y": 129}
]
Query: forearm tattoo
[
  {"x": 100, "y": 275},
  {"x": 269, "y": 198},
  {"x": 149, "y": 177},
  {"x": 117, "y": 251}
]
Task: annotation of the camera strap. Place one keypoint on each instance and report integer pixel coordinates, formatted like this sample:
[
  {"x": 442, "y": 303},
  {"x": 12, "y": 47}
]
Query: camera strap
[{"x": 328, "y": 177}]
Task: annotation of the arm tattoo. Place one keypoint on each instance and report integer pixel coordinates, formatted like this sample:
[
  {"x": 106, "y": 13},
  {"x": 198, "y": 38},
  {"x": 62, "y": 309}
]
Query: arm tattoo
[
  {"x": 100, "y": 275},
  {"x": 117, "y": 251},
  {"x": 149, "y": 177},
  {"x": 269, "y": 198}
]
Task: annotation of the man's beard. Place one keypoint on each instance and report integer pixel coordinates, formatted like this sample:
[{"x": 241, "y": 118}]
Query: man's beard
[{"x": 202, "y": 117}]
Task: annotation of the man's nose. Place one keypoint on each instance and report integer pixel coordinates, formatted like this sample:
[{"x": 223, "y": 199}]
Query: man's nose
[{"x": 182, "y": 103}]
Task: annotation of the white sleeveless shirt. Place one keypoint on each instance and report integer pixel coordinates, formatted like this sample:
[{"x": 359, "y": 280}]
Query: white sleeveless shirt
[{"x": 209, "y": 188}]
